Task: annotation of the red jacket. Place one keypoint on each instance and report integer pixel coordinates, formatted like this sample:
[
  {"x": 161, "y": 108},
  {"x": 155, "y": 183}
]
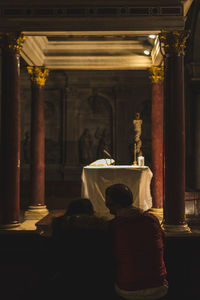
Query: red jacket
[{"x": 138, "y": 250}]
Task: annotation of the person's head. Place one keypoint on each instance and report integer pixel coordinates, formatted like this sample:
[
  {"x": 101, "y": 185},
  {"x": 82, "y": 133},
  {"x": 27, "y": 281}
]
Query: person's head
[
  {"x": 80, "y": 206},
  {"x": 118, "y": 196}
]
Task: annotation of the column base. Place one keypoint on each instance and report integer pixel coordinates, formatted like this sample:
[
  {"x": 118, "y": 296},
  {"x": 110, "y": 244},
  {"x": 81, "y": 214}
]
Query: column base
[
  {"x": 176, "y": 229},
  {"x": 36, "y": 212},
  {"x": 9, "y": 226},
  {"x": 158, "y": 212}
]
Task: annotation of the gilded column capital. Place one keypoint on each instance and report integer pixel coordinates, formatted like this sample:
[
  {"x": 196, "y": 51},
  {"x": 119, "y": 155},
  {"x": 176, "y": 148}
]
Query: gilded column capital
[
  {"x": 12, "y": 41},
  {"x": 173, "y": 42},
  {"x": 15, "y": 41},
  {"x": 157, "y": 74},
  {"x": 38, "y": 74}
]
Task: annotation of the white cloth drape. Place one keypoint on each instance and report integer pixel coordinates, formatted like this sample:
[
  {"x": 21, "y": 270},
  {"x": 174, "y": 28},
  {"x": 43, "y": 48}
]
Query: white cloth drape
[{"x": 95, "y": 180}]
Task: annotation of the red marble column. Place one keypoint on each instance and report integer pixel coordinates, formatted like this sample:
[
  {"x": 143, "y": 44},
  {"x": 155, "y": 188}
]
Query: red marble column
[
  {"x": 10, "y": 130},
  {"x": 37, "y": 205},
  {"x": 173, "y": 44},
  {"x": 157, "y": 76}
]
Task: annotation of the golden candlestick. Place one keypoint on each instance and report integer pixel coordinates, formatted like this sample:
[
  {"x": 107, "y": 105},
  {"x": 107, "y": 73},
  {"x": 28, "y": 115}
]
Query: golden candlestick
[{"x": 135, "y": 161}]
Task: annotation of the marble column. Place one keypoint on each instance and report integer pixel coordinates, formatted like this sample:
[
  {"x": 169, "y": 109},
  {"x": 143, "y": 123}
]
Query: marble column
[
  {"x": 11, "y": 44},
  {"x": 173, "y": 46},
  {"x": 37, "y": 208},
  {"x": 157, "y": 77}
]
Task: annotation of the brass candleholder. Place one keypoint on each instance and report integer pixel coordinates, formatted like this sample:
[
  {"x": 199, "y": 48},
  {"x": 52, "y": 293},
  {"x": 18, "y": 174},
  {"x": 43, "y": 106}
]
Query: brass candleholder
[{"x": 135, "y": 161}]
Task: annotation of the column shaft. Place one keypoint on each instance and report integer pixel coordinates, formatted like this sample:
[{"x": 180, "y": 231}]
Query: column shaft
[
  {"x": 173, "y": 44},
  {"x": 10, "y": 131},
  {"x": 37, "y": 208},
  {"x": 157, "y": 144},
  {"x": 37, "y": 147},
  {"x": 174, "y": 212}
]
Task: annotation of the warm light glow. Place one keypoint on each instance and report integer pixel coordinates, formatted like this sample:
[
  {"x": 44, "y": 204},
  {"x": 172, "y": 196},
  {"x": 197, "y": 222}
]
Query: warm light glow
[
  {"x": 152, "y": 36},
  {"x": 146, "y": 52}
]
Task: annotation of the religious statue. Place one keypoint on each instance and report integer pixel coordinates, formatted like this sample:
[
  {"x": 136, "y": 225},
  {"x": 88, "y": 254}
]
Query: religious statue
[
  {"x": 102, "y": 137},
  {"x": 85, "y": 147},
  {"x": 137, "y": 123}
]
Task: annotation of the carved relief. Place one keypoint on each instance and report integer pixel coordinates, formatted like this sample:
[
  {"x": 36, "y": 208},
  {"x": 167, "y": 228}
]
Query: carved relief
[
  {"x": 104, "y": 142},
  {"x": 95, "y": 116}
]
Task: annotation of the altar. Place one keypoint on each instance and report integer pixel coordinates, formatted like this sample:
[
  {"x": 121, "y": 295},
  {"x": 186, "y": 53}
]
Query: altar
[{"x": 96, "y": 179}]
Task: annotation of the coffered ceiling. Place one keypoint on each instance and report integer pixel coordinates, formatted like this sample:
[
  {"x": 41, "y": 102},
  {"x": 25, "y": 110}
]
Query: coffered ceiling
[
  {"x": 98, "y": 34},
  {"x": 92, "y": 50}
]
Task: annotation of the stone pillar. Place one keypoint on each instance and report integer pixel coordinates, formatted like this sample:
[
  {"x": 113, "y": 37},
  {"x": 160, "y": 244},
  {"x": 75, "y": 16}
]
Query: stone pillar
[
  {"x": 157, "y": 77},
  {"x": 37, "y": 208},
  {"x": 173, "y": 45},
  {"x": 10, "y": 130}
]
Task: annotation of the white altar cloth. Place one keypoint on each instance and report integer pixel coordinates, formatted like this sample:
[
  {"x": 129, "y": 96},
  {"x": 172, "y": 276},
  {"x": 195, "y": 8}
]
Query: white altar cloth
[{"x": 96, "y": 179}]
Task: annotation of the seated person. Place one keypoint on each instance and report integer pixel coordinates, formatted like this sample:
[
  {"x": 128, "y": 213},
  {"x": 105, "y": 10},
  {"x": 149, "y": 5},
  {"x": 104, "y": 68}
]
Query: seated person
[
  {"x": 137, "y": 239},
  {"x": 83, "y": 252}
]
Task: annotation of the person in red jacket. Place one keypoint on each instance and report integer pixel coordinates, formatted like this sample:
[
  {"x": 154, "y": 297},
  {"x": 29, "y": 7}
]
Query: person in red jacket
[{"x": 138, "y": 242}]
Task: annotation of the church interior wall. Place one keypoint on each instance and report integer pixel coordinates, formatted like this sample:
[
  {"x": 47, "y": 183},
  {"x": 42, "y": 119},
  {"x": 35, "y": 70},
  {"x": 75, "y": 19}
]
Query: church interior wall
[
  {"x": 74, "y": 101},
  {"x": 102, "y": 103}
]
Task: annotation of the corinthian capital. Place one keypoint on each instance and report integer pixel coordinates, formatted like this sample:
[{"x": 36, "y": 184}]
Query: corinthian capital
[
  {"x": 157, "y": 74},
  {"x": 173, "y": 42},
  {"x": 15, "y": 41},
  {"x": 12, "y": 41},
  {"x": 38, "y": 74}
]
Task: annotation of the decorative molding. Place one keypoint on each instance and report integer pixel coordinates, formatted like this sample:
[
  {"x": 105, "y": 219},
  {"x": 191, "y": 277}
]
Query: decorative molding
[
  {"x": 173, "y": 42},
  {"x": 176, "y": 229},
  {"x": 38, "y": 74},
  {"x": 36, "y": 212},
  {"x": 156, "y": 55},
  {"x": 157, "y": 74},
  {"x": 90, "y": 11}
]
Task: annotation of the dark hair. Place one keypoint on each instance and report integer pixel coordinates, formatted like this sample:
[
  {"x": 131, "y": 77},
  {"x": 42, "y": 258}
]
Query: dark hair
[
  {"x": 80, "y": 206},
  {"x": 120, "y": 194}
]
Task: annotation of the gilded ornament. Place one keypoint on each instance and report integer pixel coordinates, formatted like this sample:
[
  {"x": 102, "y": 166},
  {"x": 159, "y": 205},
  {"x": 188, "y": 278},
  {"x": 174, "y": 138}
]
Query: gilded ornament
[
  {"x": 15, "y": 41},
  {"x": 173, "y": 42},
  {"x": 38, "y": 74},
  {"x": 157, "y": 74}
]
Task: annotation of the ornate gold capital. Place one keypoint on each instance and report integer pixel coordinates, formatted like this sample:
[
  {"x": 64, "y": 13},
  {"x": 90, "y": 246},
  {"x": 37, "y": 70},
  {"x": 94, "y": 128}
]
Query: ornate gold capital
[
  {"x": 15, "y": 41},
  {"x": 157, "y": 74},
  {"x": 38, "y": 74},
  {"x": 173, "y": 42}
]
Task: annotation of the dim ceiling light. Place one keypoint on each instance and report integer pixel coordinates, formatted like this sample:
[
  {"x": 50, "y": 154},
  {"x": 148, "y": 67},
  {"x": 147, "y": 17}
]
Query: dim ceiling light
[
  {"x": 152, "y": 36},
  {"x": 146, "y": 52}
]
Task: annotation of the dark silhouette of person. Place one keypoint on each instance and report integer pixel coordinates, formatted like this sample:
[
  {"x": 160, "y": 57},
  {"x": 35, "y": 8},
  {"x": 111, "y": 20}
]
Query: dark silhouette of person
[
  {"x": 138, "y": 245},
  {"x": 83, "y": 251}
]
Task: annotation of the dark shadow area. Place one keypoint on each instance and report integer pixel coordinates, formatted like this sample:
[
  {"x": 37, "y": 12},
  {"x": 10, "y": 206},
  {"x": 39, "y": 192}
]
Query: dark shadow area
[{"x": 29, "y": 264}]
